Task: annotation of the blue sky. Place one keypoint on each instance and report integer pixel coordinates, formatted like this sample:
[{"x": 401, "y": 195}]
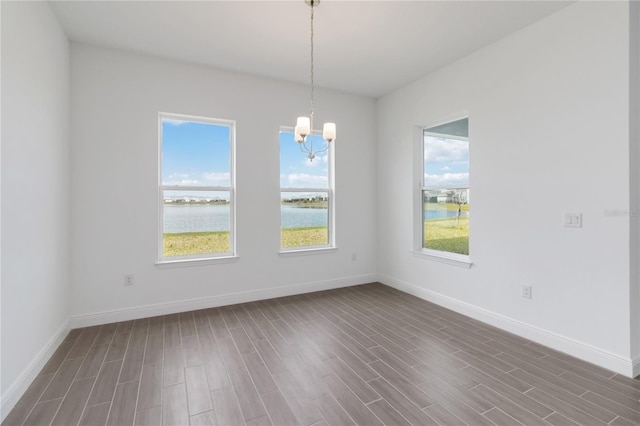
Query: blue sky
[
  {"x": 446, "y": 162},
  {"x": 296, "y": 171},
  {"x": 195, "y": 154}
]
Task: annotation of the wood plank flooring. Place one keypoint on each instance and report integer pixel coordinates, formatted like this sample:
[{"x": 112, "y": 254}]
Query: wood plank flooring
[{"x": 365, "y": 355}]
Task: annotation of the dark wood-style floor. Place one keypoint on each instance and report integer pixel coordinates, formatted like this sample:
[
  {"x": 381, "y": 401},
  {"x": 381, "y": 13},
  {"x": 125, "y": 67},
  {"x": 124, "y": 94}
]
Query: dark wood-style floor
[{"x": 363, "y": 355}]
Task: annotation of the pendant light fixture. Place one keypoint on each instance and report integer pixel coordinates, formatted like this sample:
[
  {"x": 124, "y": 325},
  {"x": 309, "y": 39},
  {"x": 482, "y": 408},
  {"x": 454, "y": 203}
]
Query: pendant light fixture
[{"x": 304, "y": 126}]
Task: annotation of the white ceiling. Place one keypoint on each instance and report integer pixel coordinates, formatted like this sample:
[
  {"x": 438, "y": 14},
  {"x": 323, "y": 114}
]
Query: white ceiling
[{"x": 362, "y": 47}]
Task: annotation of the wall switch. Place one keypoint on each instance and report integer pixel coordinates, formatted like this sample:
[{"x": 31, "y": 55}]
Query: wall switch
[
  {"x": 526, "y": 291},
  {"x": 354, "y": 257},
  {"x": 128, "y": 279},
  {"x": 573, "y": 220}
]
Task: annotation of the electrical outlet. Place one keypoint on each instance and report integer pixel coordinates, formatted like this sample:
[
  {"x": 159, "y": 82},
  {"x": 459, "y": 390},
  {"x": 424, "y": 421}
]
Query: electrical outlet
[
  {"x": 526, "y": 291},
  {"x": 128, "y": 279}
]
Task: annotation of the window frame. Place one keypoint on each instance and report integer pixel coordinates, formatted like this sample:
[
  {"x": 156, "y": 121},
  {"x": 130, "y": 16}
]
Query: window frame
[
  {"x": 329, "y": 190},
  {"x": 419, "y": 250},
  {"x": 203, "y": 258}
]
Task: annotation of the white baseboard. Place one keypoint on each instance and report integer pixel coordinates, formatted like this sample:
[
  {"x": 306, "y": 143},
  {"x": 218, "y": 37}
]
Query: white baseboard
[
  {"x": 9, "y": 399},
  {"x": 581, "y": 350},
  {"x": 146, "y": 311}
]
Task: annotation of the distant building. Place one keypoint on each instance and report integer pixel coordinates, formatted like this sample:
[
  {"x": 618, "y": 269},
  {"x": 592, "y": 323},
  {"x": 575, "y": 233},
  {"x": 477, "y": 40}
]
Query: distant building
[{"x": 453, "y": 196}]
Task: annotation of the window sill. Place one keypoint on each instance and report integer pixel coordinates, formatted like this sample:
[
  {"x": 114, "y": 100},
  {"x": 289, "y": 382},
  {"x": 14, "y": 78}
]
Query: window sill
[
  {"x": 307, "y": 251},
  {"x": 459, "y": 260},
  {"x": 185, "y": 263}
]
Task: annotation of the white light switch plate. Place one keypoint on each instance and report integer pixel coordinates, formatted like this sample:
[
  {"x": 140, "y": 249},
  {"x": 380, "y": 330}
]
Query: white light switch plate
[{"x": 573, "y": 220}]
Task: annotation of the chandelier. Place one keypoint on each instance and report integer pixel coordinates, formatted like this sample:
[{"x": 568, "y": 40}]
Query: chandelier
[{"x": 304, "y": 126}]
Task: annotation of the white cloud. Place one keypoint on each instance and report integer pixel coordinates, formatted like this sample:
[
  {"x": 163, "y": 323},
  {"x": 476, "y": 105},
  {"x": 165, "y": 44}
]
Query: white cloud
[
  {"x": 217, "y": 178},
  {"x": 441, "y": 150},
  {"x": 447, "y": 179},
  {"x": 183, "y": 182},
  {"x": 320, "y": 159},
  {"x": 198, "y": 179},
  {"x": 445, "y": 168},
  {"x": 304, "y": 180},
  {"x": 179, "y": 176},
  {"x": 173, "y": 121}
]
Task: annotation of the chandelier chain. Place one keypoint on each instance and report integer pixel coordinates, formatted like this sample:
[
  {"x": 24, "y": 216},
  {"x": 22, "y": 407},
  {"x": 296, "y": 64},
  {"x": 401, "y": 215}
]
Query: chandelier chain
[
  {"x": 312, "y": 76},
  {"x": 303, "y": 130}
]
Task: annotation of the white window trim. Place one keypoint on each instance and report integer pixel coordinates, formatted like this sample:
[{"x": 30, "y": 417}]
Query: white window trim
[
  {"x": 308, "y": 250},
  {"x": 419, "y": 251},
  {"x": 206, "y": 258},
  {"x": 330, "y": 190},
  {"x": 455, "y": 259},
  {"x": 183, "y": 263}
]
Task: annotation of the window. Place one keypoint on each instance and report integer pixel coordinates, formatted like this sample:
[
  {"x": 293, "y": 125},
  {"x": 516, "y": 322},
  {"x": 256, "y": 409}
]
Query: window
[
  {"x": 196, "y": 188},
  {"x": 444, "y": 193},
  {"x": 306, "y": 196}
]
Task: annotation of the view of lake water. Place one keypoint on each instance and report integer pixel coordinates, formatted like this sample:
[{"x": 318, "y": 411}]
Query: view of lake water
[
  {"x": 442, "y": 213},
  {"x": 215, "y": 217}
]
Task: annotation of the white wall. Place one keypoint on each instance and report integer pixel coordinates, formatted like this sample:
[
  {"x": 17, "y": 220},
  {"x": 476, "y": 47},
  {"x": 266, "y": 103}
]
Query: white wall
[
  {"x": 35, "y": 192},
  {"x": 549, "y": 133},
  {"x": 115, "y": 100},
  {"x": 634, "y": 177}
]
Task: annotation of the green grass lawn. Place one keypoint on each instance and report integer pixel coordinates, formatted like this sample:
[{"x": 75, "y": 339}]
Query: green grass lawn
[
  {"x": 218, "y": 242},
  {"x": 444, "y": 235},
  {"x": 302, "y": 237},
  {"x": 440, "y": 234},
  {"x": 196, "y": 243}
]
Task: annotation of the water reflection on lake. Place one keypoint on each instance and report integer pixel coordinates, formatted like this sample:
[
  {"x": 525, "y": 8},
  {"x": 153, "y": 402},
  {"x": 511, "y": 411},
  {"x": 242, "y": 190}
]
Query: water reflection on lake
[{"x": 215, "y": 217}]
